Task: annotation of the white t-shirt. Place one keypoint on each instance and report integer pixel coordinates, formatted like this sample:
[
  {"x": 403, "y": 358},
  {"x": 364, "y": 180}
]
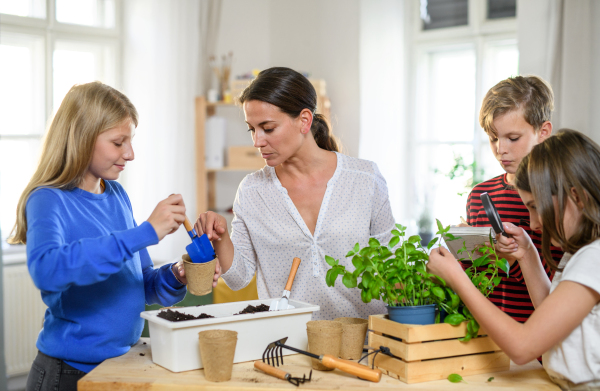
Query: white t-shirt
[
  {"x": 577, "y": 357},
  {"x": 268, "y": 232}
]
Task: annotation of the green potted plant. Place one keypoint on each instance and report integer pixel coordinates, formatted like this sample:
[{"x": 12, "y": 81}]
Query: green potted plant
[
  {"x": 484, "y": 272},
  {"x": 395, "y": 273}
]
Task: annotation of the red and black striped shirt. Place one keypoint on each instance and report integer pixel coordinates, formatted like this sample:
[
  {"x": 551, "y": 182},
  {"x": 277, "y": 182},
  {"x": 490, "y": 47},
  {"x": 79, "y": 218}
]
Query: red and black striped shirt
[{"x": 511, "y": 295}]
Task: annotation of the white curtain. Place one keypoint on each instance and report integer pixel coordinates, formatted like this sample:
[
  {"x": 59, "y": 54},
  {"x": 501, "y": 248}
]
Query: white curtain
[
  {"x": 210, "y": 16},
  {"x": 559, "y": 42},
  {"x": 160, "y": 76}
]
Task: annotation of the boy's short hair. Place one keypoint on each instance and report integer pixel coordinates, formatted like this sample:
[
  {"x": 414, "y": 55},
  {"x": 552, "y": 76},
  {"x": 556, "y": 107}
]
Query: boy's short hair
[{"x": 530, "y": 94}]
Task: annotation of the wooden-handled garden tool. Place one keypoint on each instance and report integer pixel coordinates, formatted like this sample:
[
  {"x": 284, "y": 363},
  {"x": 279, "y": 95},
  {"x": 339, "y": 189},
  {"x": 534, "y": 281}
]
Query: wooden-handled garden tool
[
  {"x": 283, "y": 303},
  {"x": 281, "y": 374},
  {"x": 274, "y": 352},
  {"x": 200, "y": 250}
]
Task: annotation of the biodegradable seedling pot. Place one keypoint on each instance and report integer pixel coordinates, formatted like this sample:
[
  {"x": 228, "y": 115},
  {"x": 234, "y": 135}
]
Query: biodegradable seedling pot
[
  {"x": 354, "y": 331},
  {"x": 199, "y": 276},
  {"x": 324, "y": 337},
  {"x": 217, "y": 349}
]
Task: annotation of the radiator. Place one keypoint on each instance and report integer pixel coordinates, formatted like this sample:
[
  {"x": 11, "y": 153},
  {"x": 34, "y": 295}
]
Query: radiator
[{"x": 23, "y": 317}]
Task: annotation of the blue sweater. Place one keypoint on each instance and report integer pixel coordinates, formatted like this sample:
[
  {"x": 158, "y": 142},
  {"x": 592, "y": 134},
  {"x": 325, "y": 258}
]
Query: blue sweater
[{"x": 88, "y": 257}]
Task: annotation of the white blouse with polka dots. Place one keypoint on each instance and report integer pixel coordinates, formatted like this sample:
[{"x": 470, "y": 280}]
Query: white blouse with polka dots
[{"x": 268, "y": 232}]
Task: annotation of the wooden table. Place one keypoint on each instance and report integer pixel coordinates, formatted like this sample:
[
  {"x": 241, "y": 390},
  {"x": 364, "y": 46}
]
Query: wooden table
[{"x": 136, "y": 371}]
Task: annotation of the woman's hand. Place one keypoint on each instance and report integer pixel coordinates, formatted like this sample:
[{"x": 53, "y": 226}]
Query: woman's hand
[
  {"x": 168, "y": 215},
  {"x": 518, "y": 246},
  {"x": 444, "y": 265},
  {"x": 212, "y": 224}
]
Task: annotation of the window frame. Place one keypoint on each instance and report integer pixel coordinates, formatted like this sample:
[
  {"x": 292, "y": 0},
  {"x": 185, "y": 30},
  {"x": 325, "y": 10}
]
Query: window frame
[
  {"x": 52, "y": 31},
  {"x": 479, "y": 34}
]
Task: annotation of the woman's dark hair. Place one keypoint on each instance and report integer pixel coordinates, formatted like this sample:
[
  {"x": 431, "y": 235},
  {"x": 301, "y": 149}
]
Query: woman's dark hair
[
  {"x": 291, "y": 92},
  {"x": 568, "y": 160}
]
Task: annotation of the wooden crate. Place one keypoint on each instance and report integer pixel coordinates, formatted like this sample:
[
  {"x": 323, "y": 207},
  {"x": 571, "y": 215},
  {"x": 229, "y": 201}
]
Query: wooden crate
[
  {"x": 432, "y": 352},
  {"x": 245, "y": 157}
]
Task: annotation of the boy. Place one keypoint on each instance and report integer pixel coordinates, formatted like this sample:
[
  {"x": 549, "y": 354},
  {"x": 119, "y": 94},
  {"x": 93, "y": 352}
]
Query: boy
[{"x": 515, "y": 114}]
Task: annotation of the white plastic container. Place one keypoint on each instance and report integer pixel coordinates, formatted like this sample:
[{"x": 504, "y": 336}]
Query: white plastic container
[{"x": 175, "y": 344}]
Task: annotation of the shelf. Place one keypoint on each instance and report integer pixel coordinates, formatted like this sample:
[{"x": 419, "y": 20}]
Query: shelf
[
  {"x": 232, "y": 169},
  {"x": 221, "y": 103}
]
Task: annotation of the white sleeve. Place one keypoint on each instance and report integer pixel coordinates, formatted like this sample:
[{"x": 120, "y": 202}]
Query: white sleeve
[{"x": 584, "y": 267}]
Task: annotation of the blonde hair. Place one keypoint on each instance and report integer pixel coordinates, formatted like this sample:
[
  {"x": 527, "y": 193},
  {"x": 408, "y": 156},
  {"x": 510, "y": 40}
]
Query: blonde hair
[
  {"x": 530, "y": 94},
  {"x": 86, "y": 111}
]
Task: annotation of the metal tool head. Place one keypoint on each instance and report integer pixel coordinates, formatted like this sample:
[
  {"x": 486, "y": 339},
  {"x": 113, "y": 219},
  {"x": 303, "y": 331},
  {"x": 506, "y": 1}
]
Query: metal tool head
[
  {"x": 274, "y": 352},
  {"x": 299, "y": 380}
]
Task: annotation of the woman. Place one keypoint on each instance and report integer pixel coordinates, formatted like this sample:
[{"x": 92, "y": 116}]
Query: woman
[{"x": 308, "y": 201}]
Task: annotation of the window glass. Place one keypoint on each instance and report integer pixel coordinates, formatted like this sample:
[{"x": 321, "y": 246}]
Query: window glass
[
  {"x": 497, "y": 9},
  {"x": 449, "y": 97},
  {"x": 77, "y": 63},
  {"x": 22, "y": 109},
  {"x": 95, "y": 13},
  {"x": 438, "y": 14},
  {"x": 18, "y": 160},
  {"x": 27, "y": 8}
]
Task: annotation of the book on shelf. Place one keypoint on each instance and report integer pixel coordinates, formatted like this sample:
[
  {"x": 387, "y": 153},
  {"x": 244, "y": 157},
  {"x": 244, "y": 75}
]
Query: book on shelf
[{"x": 470, "y": 237}]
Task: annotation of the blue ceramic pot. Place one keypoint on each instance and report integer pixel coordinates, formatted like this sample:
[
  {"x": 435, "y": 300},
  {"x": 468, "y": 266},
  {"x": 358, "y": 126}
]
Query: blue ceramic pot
[{"x": 421, "y": 314}]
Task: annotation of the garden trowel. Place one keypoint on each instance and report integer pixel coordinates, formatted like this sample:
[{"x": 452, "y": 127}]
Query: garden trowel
[
  {"x": 200, "y": 250},
  {"x": 282, "y": 304}
]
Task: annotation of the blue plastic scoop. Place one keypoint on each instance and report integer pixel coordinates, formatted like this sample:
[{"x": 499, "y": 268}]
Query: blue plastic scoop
[{"x": 200, "y": 250}]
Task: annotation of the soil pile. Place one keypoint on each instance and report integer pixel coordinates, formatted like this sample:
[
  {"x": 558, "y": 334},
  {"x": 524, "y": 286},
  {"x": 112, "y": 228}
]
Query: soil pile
[{"x": 176, "y": 316}]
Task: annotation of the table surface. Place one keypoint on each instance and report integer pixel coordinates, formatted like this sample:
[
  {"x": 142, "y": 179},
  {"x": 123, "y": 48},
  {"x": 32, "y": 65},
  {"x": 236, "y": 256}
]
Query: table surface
[{"x": 136, "y": 371}]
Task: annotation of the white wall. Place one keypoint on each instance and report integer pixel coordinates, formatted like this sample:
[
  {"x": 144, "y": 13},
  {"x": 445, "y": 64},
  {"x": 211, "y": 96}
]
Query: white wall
[{"x": 160, "y": 57}]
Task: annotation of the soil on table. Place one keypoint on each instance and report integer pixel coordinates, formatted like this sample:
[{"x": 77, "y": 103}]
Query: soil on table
[
  {"x": 176, "y": 316},
  {"x": 253, "y": 309}
]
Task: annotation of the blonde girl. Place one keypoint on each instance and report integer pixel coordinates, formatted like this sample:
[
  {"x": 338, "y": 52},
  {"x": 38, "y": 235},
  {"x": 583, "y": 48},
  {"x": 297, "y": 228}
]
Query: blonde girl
[
  {"x": 85, "y": 251},
  {"x": 559, "y": 183}
]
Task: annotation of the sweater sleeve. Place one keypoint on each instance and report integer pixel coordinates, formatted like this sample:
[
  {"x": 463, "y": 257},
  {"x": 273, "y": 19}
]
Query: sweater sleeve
[
  {"x": 55, "y": 265},
  {"x": 160, "y": 285}
]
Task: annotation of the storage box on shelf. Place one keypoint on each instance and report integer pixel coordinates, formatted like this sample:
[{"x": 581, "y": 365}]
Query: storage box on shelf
[
  {"x": 175, "y": 344},
  {"x": 432, "y": 352},
  {"x": 244, "y": 157}
]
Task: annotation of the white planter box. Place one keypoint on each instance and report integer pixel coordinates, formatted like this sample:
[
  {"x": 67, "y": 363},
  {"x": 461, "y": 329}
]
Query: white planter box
[{"x": 175, "y": 344}]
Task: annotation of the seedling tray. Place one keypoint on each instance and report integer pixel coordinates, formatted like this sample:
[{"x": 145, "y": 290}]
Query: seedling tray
[
  {"x": 432, "y": 352},
  {"x": 175, "y": 344}
]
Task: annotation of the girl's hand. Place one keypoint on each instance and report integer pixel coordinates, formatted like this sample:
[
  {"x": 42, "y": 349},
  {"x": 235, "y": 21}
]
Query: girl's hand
[
  {"x": 212, "y": 224},
  {"x": 168, "y": 215},
  {"x": 443, "y": 264},
  {"x": 516, "y": 247},
  {"x": 217, "y": 273},
  {"x": 179, "y": 272}
]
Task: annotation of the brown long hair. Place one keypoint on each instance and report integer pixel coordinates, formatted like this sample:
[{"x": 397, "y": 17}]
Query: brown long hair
[
  {"x": 86, "y": 111},
  {"x": 562, "y": 162},
  {"x": 291, "y": 92}
]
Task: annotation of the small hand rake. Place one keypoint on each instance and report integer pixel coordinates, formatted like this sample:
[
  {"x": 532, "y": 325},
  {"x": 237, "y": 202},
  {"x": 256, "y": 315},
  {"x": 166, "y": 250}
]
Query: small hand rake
[
  {"x": 281, "y": 374},
  {"x": 274, "y": 352}
]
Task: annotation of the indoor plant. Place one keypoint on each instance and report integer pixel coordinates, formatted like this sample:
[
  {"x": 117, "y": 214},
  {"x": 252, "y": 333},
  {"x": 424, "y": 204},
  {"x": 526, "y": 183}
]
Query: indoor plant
[
  {"x": 483, "y": 271},
  {"x": 396, "y": 274}
]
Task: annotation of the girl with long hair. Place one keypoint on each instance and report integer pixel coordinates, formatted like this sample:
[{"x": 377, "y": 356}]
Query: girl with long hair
[
  {"x": 85, "y": 251},
  {"x": 559, "y": 182}
]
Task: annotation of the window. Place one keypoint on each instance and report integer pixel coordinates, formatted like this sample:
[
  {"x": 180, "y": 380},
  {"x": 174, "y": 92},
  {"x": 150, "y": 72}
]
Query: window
[
  {"x": 454, "y": 67},
  {"x": 42, "y": 57}
]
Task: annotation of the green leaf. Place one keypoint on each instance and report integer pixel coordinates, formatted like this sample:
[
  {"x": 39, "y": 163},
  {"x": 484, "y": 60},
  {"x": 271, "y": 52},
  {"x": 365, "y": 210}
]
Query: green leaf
[
  {"x": 474, "y": 327},
  {"x": 480, "y": 261},
  {"x": 432, "y": 242},
  {"x": 455, "y": 300},
  {"x": 466, "y": 338},
  {"x": 490, "y": 379},
  {"x": 503, "y": 265},
  {"x": 394, "y": 241},
  {"x": 455, "y": 378},
  {"x": 356, "y": 248},
  {"x": 350, "y": 253},
  {"x": 414, "y": 239},
  {"x": 374, "y": 243},
  {"x": 330, "y": 261},
  {"x": 450, "y": 237},
  {"x": 329, "y": 279},
  {"x": 440, "y": 226},
  {"x": 497, "y": 280},
  {"x": 349, "y": 280},
  {"x": 395, "y": 232},
  {"x": 357, "y": 261},
  {"x": 454, "y": 319},
  {"x": 401, "y": 227},
  {"x": 439, "y": 292},
  {"x": 367, "y": 279}
]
